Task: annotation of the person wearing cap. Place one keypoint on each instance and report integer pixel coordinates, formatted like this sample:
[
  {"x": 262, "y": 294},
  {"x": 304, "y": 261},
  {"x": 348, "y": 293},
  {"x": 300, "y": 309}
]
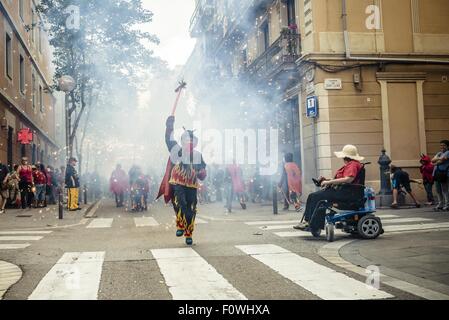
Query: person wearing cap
[
  {"x": 72, "y": 184},
  {"x": 348, "y": 174}
]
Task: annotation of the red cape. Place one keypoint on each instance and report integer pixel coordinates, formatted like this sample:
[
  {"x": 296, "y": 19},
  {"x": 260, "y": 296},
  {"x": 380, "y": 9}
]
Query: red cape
[
  {"x": 294, "y": 177},
  {"x": 166, "y": 189}
]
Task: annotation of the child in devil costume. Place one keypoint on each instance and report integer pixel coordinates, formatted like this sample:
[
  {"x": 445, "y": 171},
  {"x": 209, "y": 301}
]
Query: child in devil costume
[{"x": 180, "y": 184}]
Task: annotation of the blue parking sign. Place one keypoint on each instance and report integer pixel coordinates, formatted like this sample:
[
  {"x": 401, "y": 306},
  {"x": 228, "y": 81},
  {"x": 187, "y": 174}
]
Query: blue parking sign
[{"x": 312, "y": 107}]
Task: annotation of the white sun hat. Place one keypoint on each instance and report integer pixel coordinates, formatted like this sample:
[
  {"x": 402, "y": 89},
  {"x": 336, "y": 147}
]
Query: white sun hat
[{"x": 349, "y": 151}]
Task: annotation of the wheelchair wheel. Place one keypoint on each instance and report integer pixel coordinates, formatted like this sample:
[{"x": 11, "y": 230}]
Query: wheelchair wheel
[
  {"x": 316, "y": 232},
  {"x": 330, "y": 232},
  {"x": 369, "y": 227}
]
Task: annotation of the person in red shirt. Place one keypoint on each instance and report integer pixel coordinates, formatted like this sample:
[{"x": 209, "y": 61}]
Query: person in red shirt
[
  {"x": 348, "y": 174},
  {"x": 40, "y": 180},
  {"x": 26, "y": 183},
  {"x": 118, "y": 184},
  {"x": 291, "y": 184}
]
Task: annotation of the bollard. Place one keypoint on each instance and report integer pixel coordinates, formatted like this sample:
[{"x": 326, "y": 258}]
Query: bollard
[
  {"x": 275, "y": 199},
  {"x": 385, "y": 183},
  {"x": 85, "y": 194},
  {"x": 61, "y": 204}
]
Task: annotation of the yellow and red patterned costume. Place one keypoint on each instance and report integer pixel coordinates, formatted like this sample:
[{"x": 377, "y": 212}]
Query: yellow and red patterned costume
[{"x": 180, "y": 183}]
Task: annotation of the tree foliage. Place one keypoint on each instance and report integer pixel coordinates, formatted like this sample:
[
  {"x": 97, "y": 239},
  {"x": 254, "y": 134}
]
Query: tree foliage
[{"x": 109, "y": 47}]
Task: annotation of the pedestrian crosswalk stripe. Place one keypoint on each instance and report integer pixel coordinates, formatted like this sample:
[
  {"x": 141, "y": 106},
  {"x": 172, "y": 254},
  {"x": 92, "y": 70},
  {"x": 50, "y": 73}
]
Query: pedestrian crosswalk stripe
[
  {"x": 190, "y": 277},
  {"x": 14, "y": 246},
  {"x": 20, "y": 238},
  {"x": 387, "y": 216},
  {"x": 76, "y": 276},
  {"x": 278, "y": 227},
  {"x": 299, "y": 233},
  {"x": 405, "y": 220},
  {"x": 23, "y": 232},
  {"x": 200, "y": 221},
  {"x": 100, "y": 223},
  {"x": 390, "y": 228},
  {"x": 255, "y": 223},
  {"x": 413, "y": 227},
  {"x": 322, "y": 281},
  {"x": 145, "y": 222}
]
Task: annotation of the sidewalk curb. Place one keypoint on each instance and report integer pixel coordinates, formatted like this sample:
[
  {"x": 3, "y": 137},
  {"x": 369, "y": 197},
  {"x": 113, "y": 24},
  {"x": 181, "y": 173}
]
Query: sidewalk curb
[
  {"x": 10, "y": 274},
  {"x": 83, "y": 221},
  {"x": 92, "y": 209},
  {"x": 331, "y": 253}
]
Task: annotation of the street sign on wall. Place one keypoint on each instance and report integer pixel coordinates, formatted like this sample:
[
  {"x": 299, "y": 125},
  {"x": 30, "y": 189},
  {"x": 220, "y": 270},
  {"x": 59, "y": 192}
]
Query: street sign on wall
[
  {"x": 312, "y": 107},
  {"x": 333, "y": 84}
]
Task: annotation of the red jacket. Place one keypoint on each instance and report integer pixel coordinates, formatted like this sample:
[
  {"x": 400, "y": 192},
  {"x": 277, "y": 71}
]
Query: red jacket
[
  {"x": 427, "y": 169},
  {"x": 39, "y": 177},
  {"x": 118, "y": 182}
]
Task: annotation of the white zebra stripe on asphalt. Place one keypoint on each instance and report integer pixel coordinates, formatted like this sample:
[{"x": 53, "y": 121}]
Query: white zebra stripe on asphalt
[
  {"x": 393, "y": 221},
  {"x": 299, "y": 233},
  {"x": 387, "y": 216},
  {"x": 413, "y": 227},
  {"x": 278, "y": 227},
  {"x": 13, "y": 246},
  {"x": 145, "y": 222},
  {"x": 200, "y": 221},
  {"x": 76, "y": 276},
  {"x": 256, "y": 223},
  {"x": 24, "y": 232},
  {"x": 20, "y": 238},
  {"x": 405, "y": 220},
  {"x": 100, "y": 223},
  {"x": 322, "y": 281},
  {"x": 190, "y": 277}
]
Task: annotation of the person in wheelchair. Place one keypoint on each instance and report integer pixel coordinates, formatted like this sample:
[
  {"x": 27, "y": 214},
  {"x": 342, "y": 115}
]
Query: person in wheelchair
[{"x": 335, "y": 190}]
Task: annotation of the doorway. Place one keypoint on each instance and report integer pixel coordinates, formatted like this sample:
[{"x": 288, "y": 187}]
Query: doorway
[{"x": 10, "y": 147}]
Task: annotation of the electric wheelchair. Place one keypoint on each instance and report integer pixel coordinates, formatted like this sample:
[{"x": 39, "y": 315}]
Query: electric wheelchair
[{"x": 356, "y": 217}]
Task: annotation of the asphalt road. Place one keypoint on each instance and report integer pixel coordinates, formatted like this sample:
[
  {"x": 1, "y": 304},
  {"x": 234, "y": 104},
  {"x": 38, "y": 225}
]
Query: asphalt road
[{"x": 243, "y": 255}]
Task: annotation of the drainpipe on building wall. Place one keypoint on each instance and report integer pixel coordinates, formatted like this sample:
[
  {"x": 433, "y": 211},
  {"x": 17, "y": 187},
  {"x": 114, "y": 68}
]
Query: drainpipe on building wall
[{"x": 348, "y": 55}]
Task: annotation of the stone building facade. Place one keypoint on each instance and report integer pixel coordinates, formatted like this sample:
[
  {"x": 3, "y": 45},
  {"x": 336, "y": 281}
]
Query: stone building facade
[
  {"x": 26, "y": 75},
  {"x": 379, "y": 70}
]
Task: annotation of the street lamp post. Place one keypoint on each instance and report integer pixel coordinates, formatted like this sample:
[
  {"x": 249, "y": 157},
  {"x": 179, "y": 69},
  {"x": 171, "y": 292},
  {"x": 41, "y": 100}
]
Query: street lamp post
[{"x": 66, "y": 84}]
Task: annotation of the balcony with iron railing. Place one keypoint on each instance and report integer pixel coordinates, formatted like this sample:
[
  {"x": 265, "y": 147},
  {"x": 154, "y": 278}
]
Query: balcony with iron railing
[
  {"x": 280, "y": 56},
  {"x": 201, "y": 17}
]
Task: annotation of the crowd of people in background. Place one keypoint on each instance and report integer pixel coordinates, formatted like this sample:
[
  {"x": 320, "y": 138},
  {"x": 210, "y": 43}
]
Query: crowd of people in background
[
  {"x": 29, "y": 186},
  {"x": 434, "y": 172},
  {"x": 133, "y": 188}
]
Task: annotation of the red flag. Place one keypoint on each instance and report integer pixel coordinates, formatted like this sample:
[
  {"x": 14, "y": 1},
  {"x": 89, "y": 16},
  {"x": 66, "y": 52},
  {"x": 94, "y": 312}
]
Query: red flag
[{"x": 165, "y": 188}]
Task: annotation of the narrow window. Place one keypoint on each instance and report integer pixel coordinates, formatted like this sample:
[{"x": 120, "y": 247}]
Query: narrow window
[
  {"x": 33, "y": 23},
  {"x": 39, "y": 30},
  {"x": 266, "y": 35},
  {"x": 291, "y": 12},
  {"x": 41, "y": 99},
  {"x": 8, "y": 61},
  {"x": 22, "y": 74},
  {"x": 33, "y": 88},
  {"x": 21, "y": 7}
]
